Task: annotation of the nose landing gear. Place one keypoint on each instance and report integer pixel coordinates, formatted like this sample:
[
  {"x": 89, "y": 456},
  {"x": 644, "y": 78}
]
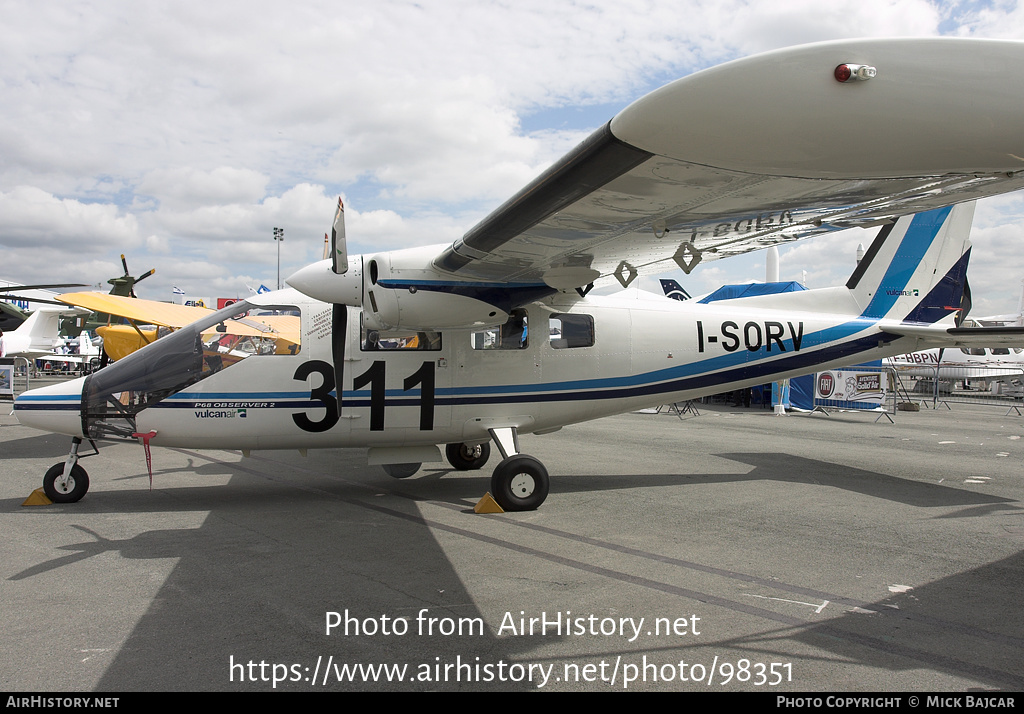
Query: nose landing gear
[{"x": 67, "y": 482}]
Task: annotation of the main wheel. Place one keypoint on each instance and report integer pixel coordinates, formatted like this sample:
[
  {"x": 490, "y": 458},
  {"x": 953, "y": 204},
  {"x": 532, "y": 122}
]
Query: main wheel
[
  {"x": 73, "y": 490},
  {"x": 468, "y": 458},
  {"x": 520, "y": 483},
  {"x": 400, "y": 470}
]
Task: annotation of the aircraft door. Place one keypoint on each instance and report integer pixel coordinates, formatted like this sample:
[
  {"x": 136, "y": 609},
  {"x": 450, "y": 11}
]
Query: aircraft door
[{"x": 392, "y": 381}]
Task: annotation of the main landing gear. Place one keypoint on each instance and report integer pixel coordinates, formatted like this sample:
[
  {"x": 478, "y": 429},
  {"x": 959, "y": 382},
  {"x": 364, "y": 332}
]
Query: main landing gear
[
  {"x": 66, "y": 481},
  {"x": 465, "y": 457},
  {"x": 519, "y": 482}
]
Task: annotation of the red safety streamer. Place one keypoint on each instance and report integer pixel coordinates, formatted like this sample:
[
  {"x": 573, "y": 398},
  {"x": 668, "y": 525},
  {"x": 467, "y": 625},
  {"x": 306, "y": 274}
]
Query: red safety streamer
[{"x": 149, "y": 459}]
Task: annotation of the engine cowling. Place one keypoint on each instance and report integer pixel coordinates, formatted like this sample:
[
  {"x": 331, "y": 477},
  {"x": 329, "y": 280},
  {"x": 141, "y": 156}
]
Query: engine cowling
[{"x": 413, "y": 298}]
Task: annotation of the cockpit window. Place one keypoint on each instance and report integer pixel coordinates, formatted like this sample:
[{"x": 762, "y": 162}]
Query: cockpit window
[{"x": 113, "y": 396}]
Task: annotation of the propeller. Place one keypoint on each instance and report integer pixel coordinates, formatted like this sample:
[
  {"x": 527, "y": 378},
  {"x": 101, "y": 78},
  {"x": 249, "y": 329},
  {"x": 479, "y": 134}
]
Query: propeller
[
  {"x": 339, "y": 251},
  {"x": 42, "y": 287},
  {"x": 125, "y": 285}
]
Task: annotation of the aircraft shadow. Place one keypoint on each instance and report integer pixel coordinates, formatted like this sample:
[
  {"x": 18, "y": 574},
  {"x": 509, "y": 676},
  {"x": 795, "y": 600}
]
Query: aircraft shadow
[
  {"x": 440, "y": 483},
  {"x": 255, "y": 581},
  {"x": 977, "y": 609},
  {"x": 787, "y": 468},
  {"x": 34, "y": 447}
]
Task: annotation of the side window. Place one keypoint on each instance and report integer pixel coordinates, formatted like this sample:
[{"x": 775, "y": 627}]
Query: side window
[
  {"x": 1000, "y": 351},
  {"x": 513, "y": 335},
  {"x": 374, "y": 340},
  {"x": 568, "y": 331}
]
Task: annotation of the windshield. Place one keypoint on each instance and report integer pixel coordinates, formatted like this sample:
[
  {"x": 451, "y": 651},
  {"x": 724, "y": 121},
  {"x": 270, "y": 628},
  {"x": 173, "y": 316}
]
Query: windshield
[{"x": 113, "y": 396}]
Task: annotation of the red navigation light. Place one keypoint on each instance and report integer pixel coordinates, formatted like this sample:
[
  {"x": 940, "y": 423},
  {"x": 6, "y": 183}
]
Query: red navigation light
[{"x": 854, "y": 72}]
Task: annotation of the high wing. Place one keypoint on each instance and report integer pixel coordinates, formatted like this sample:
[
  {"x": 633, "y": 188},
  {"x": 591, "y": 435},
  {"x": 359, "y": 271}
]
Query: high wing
[
  {"x": 120, "y": 343},
  {"x": 762, "y": 151},
  {"x": 143, "y": 312}
]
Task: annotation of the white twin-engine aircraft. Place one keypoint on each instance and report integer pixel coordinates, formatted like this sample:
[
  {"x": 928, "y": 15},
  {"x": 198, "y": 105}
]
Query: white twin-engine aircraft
[{"x": 497, "y": 334}]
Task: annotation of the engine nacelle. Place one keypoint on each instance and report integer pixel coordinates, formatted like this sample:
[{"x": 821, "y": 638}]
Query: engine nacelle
[
  {"x": 403, "y": 297},
  {"x": 400, "y": 291}
]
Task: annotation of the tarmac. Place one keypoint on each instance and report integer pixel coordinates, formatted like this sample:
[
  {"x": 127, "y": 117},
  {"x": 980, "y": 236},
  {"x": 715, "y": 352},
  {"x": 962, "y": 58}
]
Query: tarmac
[{"x": 730, "y": 551}]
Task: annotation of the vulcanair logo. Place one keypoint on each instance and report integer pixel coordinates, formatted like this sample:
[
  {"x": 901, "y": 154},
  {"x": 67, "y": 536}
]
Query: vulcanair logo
[
  {"x": 220, "y": 413},
  {"x": 913, "y": 292}
]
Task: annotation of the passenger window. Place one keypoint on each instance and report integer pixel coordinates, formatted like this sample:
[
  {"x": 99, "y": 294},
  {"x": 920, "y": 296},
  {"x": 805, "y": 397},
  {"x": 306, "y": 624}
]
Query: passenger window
[
  {"x": 568, "y": 331},
  {"x": 513, "y": 335},
  {"x": 374, "y": 340},
  {"x": 1000, "y": 351}
]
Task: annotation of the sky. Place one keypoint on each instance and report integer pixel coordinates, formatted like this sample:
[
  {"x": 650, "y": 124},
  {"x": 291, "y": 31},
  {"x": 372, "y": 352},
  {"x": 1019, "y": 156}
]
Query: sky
[{"x": 182, "y": 133}]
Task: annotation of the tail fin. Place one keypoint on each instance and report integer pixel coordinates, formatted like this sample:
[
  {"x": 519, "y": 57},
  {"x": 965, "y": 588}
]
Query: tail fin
[
  {"x": 916, "y": 269},
  {"x": 41, "y": 328},
  {"x": 674, "y": 290}
]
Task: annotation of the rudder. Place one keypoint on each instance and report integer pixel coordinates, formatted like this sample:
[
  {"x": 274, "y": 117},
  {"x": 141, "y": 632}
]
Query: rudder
[{"x": 916, "y": 268}]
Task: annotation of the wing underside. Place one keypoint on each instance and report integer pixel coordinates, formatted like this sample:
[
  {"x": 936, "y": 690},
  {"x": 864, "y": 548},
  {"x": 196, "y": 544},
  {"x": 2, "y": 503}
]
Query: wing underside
[{"x": 759, "y": 152}]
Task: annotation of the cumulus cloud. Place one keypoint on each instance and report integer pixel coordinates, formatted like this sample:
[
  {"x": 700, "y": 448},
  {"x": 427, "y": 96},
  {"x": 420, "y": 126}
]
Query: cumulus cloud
[
  {"x": 31, "y": 216},
  {"x": 185, "y": 133}
]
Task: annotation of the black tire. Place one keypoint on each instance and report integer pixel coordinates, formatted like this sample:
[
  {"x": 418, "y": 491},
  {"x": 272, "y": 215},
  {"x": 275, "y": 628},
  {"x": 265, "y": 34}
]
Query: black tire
[
  {"x": 520, "y": 483},
  {"x": 400, "y": 470},
  {"x": 468, "y": 458},
  {"x": 78, "y": 484}
]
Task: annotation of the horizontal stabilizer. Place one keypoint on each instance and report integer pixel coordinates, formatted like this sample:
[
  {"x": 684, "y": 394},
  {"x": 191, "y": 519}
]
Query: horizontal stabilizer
[{"x": 961, "y": 336}]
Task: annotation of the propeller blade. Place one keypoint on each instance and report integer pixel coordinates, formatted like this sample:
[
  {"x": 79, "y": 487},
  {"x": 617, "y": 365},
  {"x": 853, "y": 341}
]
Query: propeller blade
[
  {"x": 125, "y": 264},
  {"x": 145, "y": 275},
  {"x": 41, "y": 287},
  {"x": 32, "y": 299},
  {"x": 339, "y": 251}
]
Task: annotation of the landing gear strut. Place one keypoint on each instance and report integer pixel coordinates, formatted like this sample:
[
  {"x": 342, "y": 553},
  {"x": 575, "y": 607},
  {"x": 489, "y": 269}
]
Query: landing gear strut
[
  {"x": 67, "y": 482},
  {"x": 520, "y": 482}
]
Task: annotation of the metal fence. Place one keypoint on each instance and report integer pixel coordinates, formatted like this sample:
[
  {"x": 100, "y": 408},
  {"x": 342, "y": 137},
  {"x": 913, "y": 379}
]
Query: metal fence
[
  {"x": 14, "y": 376},
  {"x": 865, "y": 389},
  {"x": 996, "y": 385}
]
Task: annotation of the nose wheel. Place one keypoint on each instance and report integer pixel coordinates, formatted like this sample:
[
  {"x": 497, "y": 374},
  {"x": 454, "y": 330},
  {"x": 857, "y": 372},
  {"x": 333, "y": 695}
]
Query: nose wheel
[
  {"x": 67, "y": 482},
  {"x": 61, "y": 490}
]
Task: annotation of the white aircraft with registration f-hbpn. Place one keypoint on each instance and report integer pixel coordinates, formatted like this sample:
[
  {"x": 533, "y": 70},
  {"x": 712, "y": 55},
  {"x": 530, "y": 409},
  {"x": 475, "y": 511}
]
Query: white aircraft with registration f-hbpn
[{"x": 496, "y": 334}]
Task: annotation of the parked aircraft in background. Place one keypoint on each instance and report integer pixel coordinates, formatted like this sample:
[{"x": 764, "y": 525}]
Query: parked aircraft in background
[
  {"x": 38, "y": 336},
  {"x": 497, "y": 334}
]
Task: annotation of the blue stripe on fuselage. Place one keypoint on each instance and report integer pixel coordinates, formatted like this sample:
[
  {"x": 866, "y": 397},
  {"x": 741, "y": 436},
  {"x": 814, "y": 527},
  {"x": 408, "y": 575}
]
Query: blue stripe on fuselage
[{"x": 916, "y": 241}]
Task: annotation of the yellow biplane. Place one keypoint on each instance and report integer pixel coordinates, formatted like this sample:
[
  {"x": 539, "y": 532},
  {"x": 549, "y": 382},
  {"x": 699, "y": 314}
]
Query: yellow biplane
[{"x": 149, "y": 320}]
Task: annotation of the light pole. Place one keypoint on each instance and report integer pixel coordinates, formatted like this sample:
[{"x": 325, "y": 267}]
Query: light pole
[{"x": 279, "y": 239}]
